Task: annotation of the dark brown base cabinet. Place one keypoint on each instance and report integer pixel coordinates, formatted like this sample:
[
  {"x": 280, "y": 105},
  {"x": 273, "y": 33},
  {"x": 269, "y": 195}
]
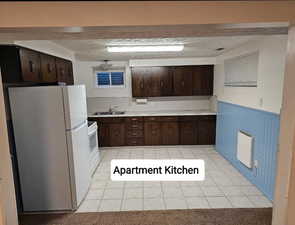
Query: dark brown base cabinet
[{"x": 156, "y": 130}]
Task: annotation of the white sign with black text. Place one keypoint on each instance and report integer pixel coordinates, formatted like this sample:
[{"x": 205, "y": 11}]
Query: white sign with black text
[{"x": 157, "y": 170}]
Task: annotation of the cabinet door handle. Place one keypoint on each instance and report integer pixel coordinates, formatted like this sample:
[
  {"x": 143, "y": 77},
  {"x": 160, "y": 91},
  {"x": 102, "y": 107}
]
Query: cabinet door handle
[
  {"x": 141, "y": 85},
  {"x": 49, "y": 68},
  {"x": 62, "y": 71},
  {"x": 161, "y": 84},
  {"x": 182, "y": 83},
  {"x": 31, "y": 65}
]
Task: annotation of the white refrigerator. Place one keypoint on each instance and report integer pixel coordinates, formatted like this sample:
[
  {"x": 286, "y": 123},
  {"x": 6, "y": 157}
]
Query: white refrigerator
[{"x": 52, "y": 146}]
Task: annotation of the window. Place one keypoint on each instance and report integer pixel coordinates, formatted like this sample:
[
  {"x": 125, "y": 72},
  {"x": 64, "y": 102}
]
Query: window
[
  {"x": 110, "y": 79},
  {"x": 242, "y": 71}
]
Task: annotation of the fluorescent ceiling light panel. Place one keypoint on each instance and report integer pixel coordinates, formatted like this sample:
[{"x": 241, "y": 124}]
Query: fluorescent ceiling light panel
[{"x": 146, "y": 48}]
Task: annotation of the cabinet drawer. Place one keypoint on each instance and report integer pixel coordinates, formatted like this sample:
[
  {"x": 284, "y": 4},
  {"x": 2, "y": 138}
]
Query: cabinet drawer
[
  {"x": 134, "y": 126},
  {"x": 135, "y": 141},
  {"x": 133, "y": 119},
  {"x": 134, "y": 133}
]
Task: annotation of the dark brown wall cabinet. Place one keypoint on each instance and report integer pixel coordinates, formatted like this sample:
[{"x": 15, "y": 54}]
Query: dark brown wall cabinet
[
  {"x": 22, "y": 65},
  {"x": 172, "y": 81},
  {"x": 202, "y": 80},
  {"x": 30, "y": 65},
  {"x": 48, "y": 68},
  {"x": 182, "y": 81},
  {"x": 64, "y": 70},
  {"x": 163, "y": 130},
  {"x": 138, "y": 89}
]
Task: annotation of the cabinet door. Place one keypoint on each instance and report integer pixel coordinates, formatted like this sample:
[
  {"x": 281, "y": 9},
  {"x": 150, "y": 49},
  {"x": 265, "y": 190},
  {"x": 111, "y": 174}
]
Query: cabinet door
[
  {"x": 138, "y": 81},
  {"x": 207, "y": 81},
  {"x": 182, "y": 81},
  {"x": 64, "y": 71},
  {"x": 61, "y": 68},
  {"x": 170, "y": 133},
  {"x": 166, "y": 81},
  {"x": 48, "y": 68},
  {"x": 117, "y": 134},
  {"x": 188, "y": 133},
  {"x": 69, "y": 73},
  {"x": 206, "y": 130},
  {"x": 151, "y": 82},
  {"x": 103, "y": 134},
  {"x": 203, "y": 80},
  {"x": 152, "y": 133},
  {"x": 30, "y": 65}
]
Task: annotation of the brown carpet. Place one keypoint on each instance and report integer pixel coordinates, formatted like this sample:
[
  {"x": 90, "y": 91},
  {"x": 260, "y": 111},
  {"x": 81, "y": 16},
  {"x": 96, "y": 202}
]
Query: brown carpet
[{"x": 161, "y": 217}]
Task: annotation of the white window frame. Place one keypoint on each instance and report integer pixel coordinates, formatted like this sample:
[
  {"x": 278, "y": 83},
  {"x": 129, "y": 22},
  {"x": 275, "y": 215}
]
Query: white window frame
[{"x": 109, "y": 86}]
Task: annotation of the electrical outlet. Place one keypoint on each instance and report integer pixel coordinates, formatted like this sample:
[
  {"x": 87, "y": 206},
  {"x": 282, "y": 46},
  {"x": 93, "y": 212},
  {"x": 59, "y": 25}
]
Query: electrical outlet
[
  {"x": 261, "y": 102},
  {"x": 256, "y": 163}
]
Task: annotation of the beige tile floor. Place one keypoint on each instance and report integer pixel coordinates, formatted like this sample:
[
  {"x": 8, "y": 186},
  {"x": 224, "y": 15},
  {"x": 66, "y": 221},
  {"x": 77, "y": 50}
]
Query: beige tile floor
[{"x": 224, "y": 186}]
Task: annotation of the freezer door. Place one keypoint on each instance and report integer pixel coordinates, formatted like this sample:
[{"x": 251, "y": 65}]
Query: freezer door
[
  {"x": 78, "y": 148},
  {"x": 75, "y": 105},
  {"x": 41, "y": 147}
]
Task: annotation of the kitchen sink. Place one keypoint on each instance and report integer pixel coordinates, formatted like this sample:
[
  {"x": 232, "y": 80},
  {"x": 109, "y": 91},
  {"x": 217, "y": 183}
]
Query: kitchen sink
[{"x": 110, "y": 113}]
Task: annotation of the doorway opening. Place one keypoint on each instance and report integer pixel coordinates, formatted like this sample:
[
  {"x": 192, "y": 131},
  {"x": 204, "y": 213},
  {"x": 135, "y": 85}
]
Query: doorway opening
[{"x": 193, "y": 104}]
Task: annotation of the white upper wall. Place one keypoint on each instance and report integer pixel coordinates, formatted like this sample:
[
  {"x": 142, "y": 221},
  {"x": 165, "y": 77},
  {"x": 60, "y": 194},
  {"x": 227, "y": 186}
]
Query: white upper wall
[
  {"x": 86, "y": 75},
  {"x": 267, "y": 95}
]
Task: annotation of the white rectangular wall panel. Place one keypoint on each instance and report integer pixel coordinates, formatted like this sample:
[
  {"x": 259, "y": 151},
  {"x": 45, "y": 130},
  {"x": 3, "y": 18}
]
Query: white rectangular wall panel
[{"x": 244, "y": 149}]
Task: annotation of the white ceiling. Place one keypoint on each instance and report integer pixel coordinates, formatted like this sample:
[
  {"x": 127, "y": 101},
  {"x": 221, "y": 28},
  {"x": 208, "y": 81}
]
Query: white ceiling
[{"x": 93, "y": 50}]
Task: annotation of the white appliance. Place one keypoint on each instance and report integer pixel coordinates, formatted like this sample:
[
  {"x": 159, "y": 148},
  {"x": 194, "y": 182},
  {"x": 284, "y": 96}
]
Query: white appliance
[
  {"x": 93, "y": 146},
  {"x": 52, "y": 146}
]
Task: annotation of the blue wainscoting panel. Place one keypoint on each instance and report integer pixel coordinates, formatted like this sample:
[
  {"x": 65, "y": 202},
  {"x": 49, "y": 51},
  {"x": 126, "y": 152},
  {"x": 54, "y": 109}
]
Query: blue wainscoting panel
[{"x": 264, "y": 127}]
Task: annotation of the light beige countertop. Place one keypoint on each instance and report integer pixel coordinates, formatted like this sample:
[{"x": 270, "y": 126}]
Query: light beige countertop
[{"x": 159, "y": 113}]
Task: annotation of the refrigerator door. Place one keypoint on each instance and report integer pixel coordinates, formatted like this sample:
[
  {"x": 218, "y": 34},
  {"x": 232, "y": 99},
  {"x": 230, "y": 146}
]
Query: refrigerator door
[
  {"x": 78, "y": 148},
  {"x": 75, "y": 105},
  {"x": 41, "y": 147}
]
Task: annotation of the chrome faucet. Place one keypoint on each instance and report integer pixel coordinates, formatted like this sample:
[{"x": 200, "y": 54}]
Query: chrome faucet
[{"x": 112, "y": 109}]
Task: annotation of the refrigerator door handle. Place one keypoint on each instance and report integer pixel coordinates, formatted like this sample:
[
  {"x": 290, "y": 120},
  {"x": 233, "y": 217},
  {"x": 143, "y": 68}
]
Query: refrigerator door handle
[{"x": 78, "y": 126}]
